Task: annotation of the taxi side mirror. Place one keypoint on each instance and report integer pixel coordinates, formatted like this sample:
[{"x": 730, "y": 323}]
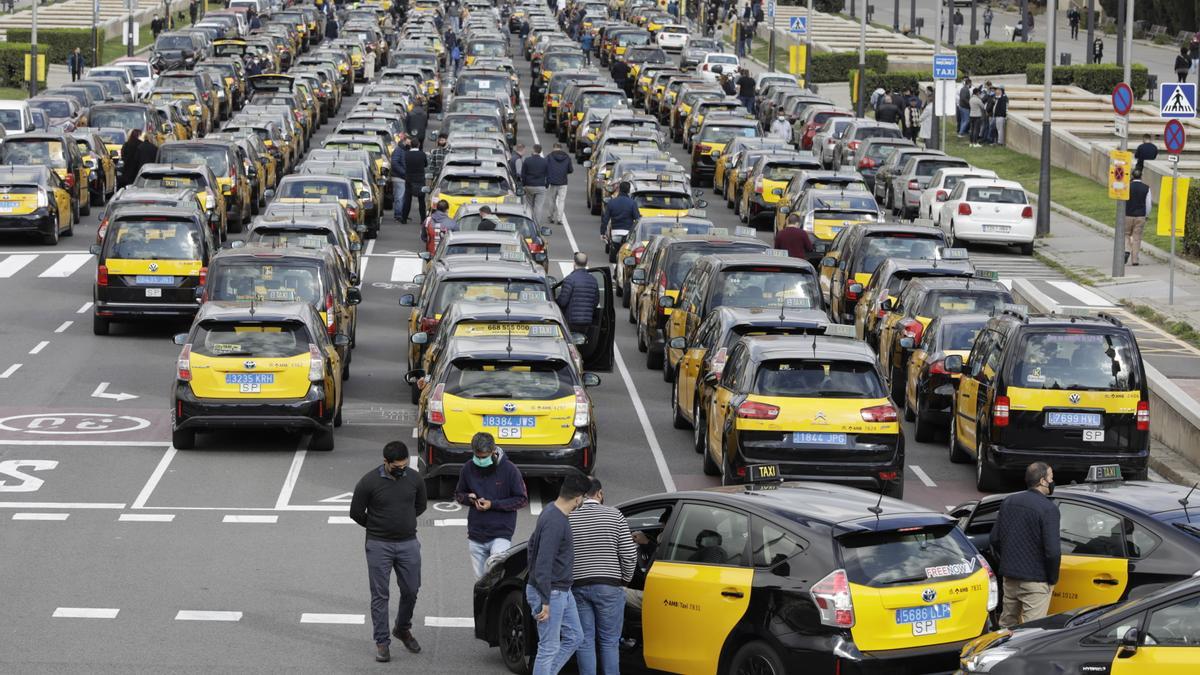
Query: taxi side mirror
[
  {"x": 353, "y": 295},
  {"x": 587, "y": 163},
  {"x": 697, "y": 193},
  {"x": 365, "y": 194},
  {"x": 520, "y": 191},
  {"x": 355, "y": 246},
  {"x": 341, "y": 340},
  {"x": 887, "y": 305},
  {"x": 425, "y": 255},
  {"x": 539, "y": 257},
  {"x": 412, "y": 376},
  {"x": 666, "y": 301},
  {"x": 1129, "y": 643},
  {"x": 711, "y": 378},
  {"x": 854, "y": 289},
  {"x": 941, "y": 197},
  {"x": 425, "y": 190},
  {"x": 828, "y": 261},
  {"x": 419, "y": 338},
  {"x": 237, "y": 243},
  {"x": 701, "y": 204},
  {"x": 638, "y": 277},
  {"x": 419, "y": 279},
  {"x": 408, "y": 300},
  {"x": 954, "y": 363},
  {"x": 907, "y": 343},
  {"x": 629, "y": 261},
  {"x": 785, "y": 209},
  {"x": 94, "y": 249},
  {"x": 545, "y": 231},
  {"x": 578, "y": 339},
  {"x": 678, "y": 343},
  {"x": 354, "y": 280},
  {"x": 180, "y": 339},
  {"x": 777, "y": 191},
  {"x": 591, "y": 380}
]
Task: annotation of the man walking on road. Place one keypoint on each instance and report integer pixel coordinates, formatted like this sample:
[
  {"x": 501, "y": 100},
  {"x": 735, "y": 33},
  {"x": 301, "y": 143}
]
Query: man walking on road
[
  {"x": 551, "y": 555},
  {"x": 76, "y": 62},
  {"x": 131, "y": 157},
  {"x": 1025, "y": 540},
  {"x": 621, "y": 212},
  {"x": 493, "y": 490},
  {"x": 988, "y": 16},
  {"x": 1136, "y": 210},
  {"x": 578, "y": 295},
  {"x": 793, "y": 239},
  {"x": 605, "y": 558},
  {"x": 534, "y": 178},
  {"x": 418, "y": 121},
  {"x": 558, "y": 167},
  {"x": 745, "y": 86},
  {"x": 414, "y": 180},
  {"x": 387, "y": 502}
]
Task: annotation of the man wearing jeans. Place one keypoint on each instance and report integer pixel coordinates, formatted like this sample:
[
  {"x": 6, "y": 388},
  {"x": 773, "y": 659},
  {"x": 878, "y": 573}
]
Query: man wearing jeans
[
  {"x": 605, "y": 557},
  {"x": 493, "y": 490},
  {"x": 548, "y": 589}
]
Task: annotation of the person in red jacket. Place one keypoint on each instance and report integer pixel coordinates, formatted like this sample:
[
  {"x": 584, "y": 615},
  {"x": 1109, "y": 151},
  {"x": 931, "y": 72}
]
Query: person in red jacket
[{"x": 793, "y": 239}]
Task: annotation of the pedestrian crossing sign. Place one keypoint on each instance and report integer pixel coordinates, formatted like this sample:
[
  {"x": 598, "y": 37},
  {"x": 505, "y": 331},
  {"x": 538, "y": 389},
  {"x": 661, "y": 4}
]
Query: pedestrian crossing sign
[
  {"x": 798, "y": 25},
  {"x": 1177, "y": 100}
]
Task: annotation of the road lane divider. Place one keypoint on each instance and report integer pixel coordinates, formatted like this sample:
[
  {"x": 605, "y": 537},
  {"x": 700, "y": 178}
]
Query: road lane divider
[
  {"x": 66, "y": 266},
  {"x": 40, "y": 516},
  {"x": 8, "y": 372},
  {"x": 920, "y": 473},
  {"x": 37, "y": 349},
  {"x": 146, "y": 517},
  {"x": 86, "y": 306},
  {"x": 63, "y": 326},
  {"x": 86, "y": 613},
  {"x": 259, "y": 520},
  {"x": 207, "y": 615},
  {"x": 347, "y": 619}
]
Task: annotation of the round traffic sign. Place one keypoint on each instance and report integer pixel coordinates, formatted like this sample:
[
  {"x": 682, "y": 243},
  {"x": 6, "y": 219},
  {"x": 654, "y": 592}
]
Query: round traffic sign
[
  {"x": 1174, "y": 137},
  {"x": 1122, "y": 98}
]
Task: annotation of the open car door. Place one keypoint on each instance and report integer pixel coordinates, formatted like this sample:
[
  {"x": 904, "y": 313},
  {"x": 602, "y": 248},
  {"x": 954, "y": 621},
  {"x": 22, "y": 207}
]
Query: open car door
[{"x": 597, "y": 351}]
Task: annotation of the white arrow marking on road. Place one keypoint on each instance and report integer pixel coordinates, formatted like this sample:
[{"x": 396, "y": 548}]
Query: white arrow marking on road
[
  {"x": 343, "y": 498},
  {"x": 101, "y": 392}
]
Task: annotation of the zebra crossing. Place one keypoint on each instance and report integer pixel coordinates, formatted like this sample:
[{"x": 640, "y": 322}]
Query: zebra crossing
[
  {"x": 56, "y": 265},
  {"x": 1011, "y": 266}
]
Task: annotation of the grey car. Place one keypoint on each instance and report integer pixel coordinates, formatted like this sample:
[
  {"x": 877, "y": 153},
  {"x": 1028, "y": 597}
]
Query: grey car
[
  {"x": 911, "y": 179},
  {"x": 827, "y": 137},
  {"x": 861, "y": 130},
  {"x": 888, "y": 168}
]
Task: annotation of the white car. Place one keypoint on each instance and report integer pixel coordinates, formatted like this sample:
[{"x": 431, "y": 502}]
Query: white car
[
  {"x": 990, "y": 211},
  {"x": 16, "y": 118},
  {"x": 141, "y": 72},
  {"x": 672, "y": 37},
  {"x": 940, "y": 185},
  {"x": 715, "y": 63},
  {"x": 121, "y": 72}
]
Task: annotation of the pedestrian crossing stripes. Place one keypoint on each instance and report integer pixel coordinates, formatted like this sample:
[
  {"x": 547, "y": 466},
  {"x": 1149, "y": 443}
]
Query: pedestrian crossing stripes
[
  {"x": 42, "y": 265},
  {"x": 66, "y": 265},
  {"x": 1011, "y": 266}
]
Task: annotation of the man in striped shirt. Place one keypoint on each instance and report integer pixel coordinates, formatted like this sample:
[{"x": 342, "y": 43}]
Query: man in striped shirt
[{"x": 605, "y": 558}]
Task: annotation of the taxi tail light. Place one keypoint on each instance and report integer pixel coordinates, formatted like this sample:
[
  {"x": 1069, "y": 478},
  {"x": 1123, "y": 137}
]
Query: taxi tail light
[
  {"x": 832, "y": 597},
  {"x": 1027, "y": 212},
  {"x": 853, "y": 145},
  {"x": 203, "y": 276},
  {"x": 879, "y": 413},
  {"x": 993, "y": 586},
  {"x": 582, "y": 416},
  {"x": 637, "y": 253},
  {"x": 912, "y": 328},
  {"x": 941, "y": 195},
  {"x": 914, "y": 185},
  {"x": 718, "y": 362},
  {"x": 758, "y": 186},
  {"x": 69, "y": 181},
  {"x": 436, "y": 412},
  {"x": 43, "y": 200},
  {"x": 938, "y": 368},
  {"x": 1000, "y": 412},
  {"x": 101, "y": 230},
  {"x": 964, "y": 209},
  {"x": 662, "y": 290},
  {"x": 1143, "y": 416},
  {"x": 866, "y": 163},
  {"x": 851, "y": 294},
  {"x": 880, "y": 313},
  {"x": 316, "y": 364},
  {"x": 352, "y": 212},
  {"x": 102, "y": 275},
  {"x": 184, "y": 364},
  {"x": 753, "y": 410},
  {"x": 329, "y": 327}
]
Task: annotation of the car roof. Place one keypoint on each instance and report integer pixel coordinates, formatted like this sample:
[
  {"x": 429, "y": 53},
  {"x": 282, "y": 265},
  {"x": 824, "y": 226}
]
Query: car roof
[
  {"x": 503, "y": 312},
  {"x": 497, "y": 348},
  {"x": 738, "y": 259},
  {"x": 957, "y": 282},
  {"x": 764, "y": 347},
  {"x": 228, "y": 310}
]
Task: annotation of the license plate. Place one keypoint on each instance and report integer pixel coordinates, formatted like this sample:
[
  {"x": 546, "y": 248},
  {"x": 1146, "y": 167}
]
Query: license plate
[
  {"x": 1074, "y": 420},
  {"x": 153, "y": 279},
  {"x": 8, "y": 206},
  {"x": 250, "y": 388},
  {"x": 1002, "y": 229},
  {"x": 924, "y": 627},
  {"x": 153, "y": 292},
  {"x": 1093, "y": 435},
  {"x": 508, "y": 432},
  {"x": 528, "y": 421},
  {"x": 817, "y": 438},
  {"x": 933, "y": 612},
  {"x": 249, "y": 378}
]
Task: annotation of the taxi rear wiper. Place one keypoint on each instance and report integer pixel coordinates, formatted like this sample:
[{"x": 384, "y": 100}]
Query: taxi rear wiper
[
  {"x": 241, "y": 353},
  {"x": 906, "y": 580}
]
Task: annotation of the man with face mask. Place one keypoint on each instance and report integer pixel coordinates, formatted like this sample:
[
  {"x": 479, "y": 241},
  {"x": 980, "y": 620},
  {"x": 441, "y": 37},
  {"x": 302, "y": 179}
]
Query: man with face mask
[
  {"x": 1025, "y": 540},
  {"x": 387, "y": 502},
  {"x": 493, "y": 490}
]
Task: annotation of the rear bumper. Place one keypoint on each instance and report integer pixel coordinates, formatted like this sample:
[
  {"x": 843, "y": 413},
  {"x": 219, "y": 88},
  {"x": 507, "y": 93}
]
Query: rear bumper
[
  {"x": 1067, "y": 462},
  {"x": 39, "y": 221},
  {"x": 888, "y": 458},
  {"x": 440, "y": 457},
  {"x": 132, "y": 310},
  {"x": 309, "y": 412}
]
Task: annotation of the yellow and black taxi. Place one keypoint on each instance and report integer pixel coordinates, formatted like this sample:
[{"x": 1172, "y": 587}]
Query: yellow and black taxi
[
  {"x": 785, "y": 578},
  {"x": 929, "y": 387},
  {"x": 555, "y": 86},
  {"x": 309, "y": 231},
  {"x": 662, "y": 196},
  {"x": 825, "y": 213},
  {"x": 763, "y": 279},
  {"x": 57, "y": 151},
  {"x": 857, "y": 250},
  {"x": 232, "y": 177},
  {"x": 472, "y": 185},
  {"x": 766, "y": 179},
  {"x": 512, "y": 212},
  {"x": 132, "y": 196},
  {"x": 728, "y": 157},
  {"x": 150, "y": 265},
  {"x": 628, "y": 247},
  {"x": 258, "y": 365},
  {"x": 265, "y": 273},
  {"x": 657, "y": 278},
  {"x": 196, "y": 177},
  {"x": 814, "y": 404},
  {"x": 710, "y": 141},
  {"x": 1067, "y": 390},
  {"x": 307, "y": 188},
  {"x": 919, "y": 301},
  {"x": 890, "y": 277},
  {"x": 33, "y": 199},
  {"x": 101, "y": 169},
  {"x": 526, "y": 392},
  {"x": 453, "y": 248}
]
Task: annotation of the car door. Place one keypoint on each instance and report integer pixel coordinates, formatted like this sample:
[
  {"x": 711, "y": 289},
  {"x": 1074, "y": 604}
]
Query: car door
[
  {"x": 1169, "y": 644},
  {"x": 966, "y": 402},
  {"x": 697, "y": 589},
  {"x": 1095, "y": 566},
  {"x": 597, "y": 351},
  {"x": 691, "y": 364},
  {"x": 723, "y": 393}
]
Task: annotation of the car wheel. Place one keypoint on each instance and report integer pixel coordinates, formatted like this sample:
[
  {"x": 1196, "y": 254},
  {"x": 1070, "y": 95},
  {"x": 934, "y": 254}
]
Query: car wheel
[
  {"x": 987, "y": 477},
  {"x": 321, "y": 441},
  {"x": 957, "y": 456},
  {"x": 677, "y": 419},
  {"x": 726, "y": 471},
  {"x": 654, "y": 358},
  {"x": 96, "y": 198},
  {"x": 513, "y": 636},
  {"x": 923, "y": 429},
  {"x": 51, "y": 239},
  {"x": 183, "y": 439},
  {"x": 346, "y": 368},
  {"x": 896, "y": 385},
  {"x": 668, "y": 371},
  {"x": 641, "y": 341},
  {"x": 625, "y": 299},
  {"x": 234, "y": 225},
  {"x": 909, "y": 416},
  {"x": 337, "y": 419},
  {"x": 85, "y": 207},
  {"x": 100, "y": 325},
  {"x": 597, "y": 203},
  {"x": 951, "y": 240},
  {"x": 1027, "y": 249}
]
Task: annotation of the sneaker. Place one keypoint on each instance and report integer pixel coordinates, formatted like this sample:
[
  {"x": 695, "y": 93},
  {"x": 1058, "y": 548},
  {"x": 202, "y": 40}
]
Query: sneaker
[
  {"x": 406, "y": 637},
  {"x": 382, "y": 653}
]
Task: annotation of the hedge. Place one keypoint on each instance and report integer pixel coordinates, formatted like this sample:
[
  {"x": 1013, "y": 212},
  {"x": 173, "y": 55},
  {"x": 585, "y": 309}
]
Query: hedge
[
  {"x": 1098, "y": 78},
  {"x": 1176, "y": 15},
  {"x": 896, "y": 81},
  {"x": 1191, "y": 233},
  {"x": 12, "y": 64},
  {"x": 999, "y": 58},
  {"x": 833, "y": 67},
  {"x": 58, "y": 42}
]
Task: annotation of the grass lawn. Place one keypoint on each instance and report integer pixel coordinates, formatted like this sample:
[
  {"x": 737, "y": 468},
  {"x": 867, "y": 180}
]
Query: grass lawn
[
  {"x": 113, "y": 49},
  {"x": 762, "y": 52},
  {"x": 14, "y": 93}
]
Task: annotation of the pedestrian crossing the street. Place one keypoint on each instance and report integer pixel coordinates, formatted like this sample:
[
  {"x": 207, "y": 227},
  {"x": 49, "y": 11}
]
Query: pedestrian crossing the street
[{"x": 56, "y": 265}]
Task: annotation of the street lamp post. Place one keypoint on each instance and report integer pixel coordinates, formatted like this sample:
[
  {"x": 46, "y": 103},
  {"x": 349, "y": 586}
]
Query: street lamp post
[
  {"x": 129, "y": 28},
  {"x": 862, "y": 63},
  {"x": 1087, "y": 49},
  {"x": 974, "y": 25},
  {"x": 896, "y": 16},
  {"x": 1123, "y": 24},
  {"x": 1024, "y": 20},
  {"x": 935, "y": 119},
  {"x": 33, "y": 53},
  {"x": 1118, "y": 261},
  {"x": 808, "y": 48},
  {"x": 912, "y": 15},
  {"x": 1043, "y": 220}
]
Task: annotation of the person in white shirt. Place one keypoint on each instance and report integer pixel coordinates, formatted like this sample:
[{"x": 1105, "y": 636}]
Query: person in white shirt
[{"x": 781, "y": 129}]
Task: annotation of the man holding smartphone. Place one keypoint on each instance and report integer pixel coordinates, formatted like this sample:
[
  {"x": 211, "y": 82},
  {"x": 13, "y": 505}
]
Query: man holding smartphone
[{"x": 493, "y": 490}]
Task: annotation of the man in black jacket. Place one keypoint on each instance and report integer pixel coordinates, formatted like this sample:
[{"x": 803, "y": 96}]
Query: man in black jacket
[
  {"x": 745, "y": 87},
  {"x": 418, "y": 120},
  {"x": 1025, "y": 540},
  {"x": 414, "y": 180},
  {"x": 535, "y": 178},
  {"x": 131, "y": 158},
  {"x": 578, "y": 295},
  {"x": 387, "y": 502},
  {"x": 558, "y": 167}
]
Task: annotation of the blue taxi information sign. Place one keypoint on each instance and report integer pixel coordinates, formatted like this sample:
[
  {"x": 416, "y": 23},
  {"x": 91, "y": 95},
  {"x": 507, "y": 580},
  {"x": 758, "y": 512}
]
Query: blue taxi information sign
[{"x": 945, "y": 66}]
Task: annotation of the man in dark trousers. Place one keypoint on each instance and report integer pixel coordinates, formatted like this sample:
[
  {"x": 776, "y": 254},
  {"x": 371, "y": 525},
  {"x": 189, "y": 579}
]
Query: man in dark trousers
[
  {"x": 414, "y": 180},
  {"x": 620, "y": 74},
  {"x": 535, "y": 178},
  {"x": 398, "y": 173},
  {"x": 1073, "y": 21},
  {"x": 130, "y": 156},
  {"x": 551, "y": 558},
  {"x": 193, "y": 9},
  {"x": 793, "y": 239},
  {"x": 578, "y": 295},
  {"x": 1145, "y": 152},
  {"x": 1025, "y": 541},
  {"x": 76, "y": 62},
  {"x": 558, "y": 168},
  {"x": 888, "y": 111},
  {"x": 387, "y": 502},
  {"x": 418, "y": 120},
  {"x": 493, "y": 490},
  {"x": 620, "y": 212},
  {"x": 745, "y": 87}
]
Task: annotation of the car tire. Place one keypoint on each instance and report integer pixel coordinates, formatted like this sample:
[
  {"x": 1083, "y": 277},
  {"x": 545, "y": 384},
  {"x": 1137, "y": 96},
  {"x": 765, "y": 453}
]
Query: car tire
[
  {"x": 321, "y": 441},
  {"x": 654, "y": 358},
  {"x": 987, "y": 477},
  {"x": 677, "y": 419},
  {"x": 725, "y": 471},
  {"x": 346, "y": 369},
  {"x": 85, "y": 207},
  {"x": 234, "y": 225},
  {"x": 597, "y": 203},
  {"x": 51, "y": 239},
  {"x": 668, "y": 371},
  {"x": 895, "y": 386},
  {"x": 625, "y": 298},
  {"x": 513, "y": 627},
  {"x": 100, "y": 325},
  {"x": 96, "y": 198},
  {"x": 1027, "y": 249},
  {"x": 923, "y": 429},
  {"x": 909, "y": 415},
  {"x": 957, "y": 455},
  {"x": 337, "y": 418},
  {"x": 895, "y": 488},
  {"x": 183, "y": 439}
]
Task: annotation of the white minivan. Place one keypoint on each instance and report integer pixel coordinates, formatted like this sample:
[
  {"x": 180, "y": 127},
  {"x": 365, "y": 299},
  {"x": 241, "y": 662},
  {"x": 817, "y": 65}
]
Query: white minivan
[{"x": 15, "y": 118}]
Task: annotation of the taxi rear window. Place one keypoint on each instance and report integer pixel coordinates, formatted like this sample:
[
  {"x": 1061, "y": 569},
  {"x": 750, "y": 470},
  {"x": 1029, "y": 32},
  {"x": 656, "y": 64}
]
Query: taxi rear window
[
  {"x": 472, "y": 124},
  {"x": 927, "y": 554},
  {"x": 171, "y": 181},
  {"x": 647, "y": 229},
  {"x": 314, "y": 190},
  {"x": 274, "y": 280},
  {"x": 782, "y": 171},
  {"x": 263, "y": 340},
  {"x": 1077, "y": 359},
  {"x": 767, "y": 286},
  {"x": 937, "y": 303},
  {"x": 296, "y": 238},
  {"x": 843, "y": 215},
  {"x": 474, "y": 223},
  {"x": 509, "y": 380},
  {"x": 153, "y": 240},
  {"x": 17, "y": 151},
  {"x": 497, "y": 290},
  {"x": 805, "y": 378},
  {"x": 959, "y": 336},
  {"x": 474, "y": 186},
  {"x": 723, "y": 134},
  {"x": 883, "y": 246},
  {"x": 216, "y": 157},
  {"x": 682, "y": 257},
  {"x": 120, "y": 118},
  {"x": 662, "y": 200}
]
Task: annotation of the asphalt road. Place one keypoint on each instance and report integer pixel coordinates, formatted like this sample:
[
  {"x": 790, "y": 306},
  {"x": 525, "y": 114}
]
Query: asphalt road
[{"x": 120, "y": 554}]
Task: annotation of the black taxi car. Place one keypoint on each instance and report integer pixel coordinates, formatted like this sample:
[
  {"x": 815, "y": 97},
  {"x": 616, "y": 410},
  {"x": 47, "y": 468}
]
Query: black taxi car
[
  {"x": 1067, "y": 390},
  {"x": 787, "y": 578},
  {"x": 929, "y": 387},
  {"x": 1120, "y": 539},
  {"x": 857, "y": 250}
]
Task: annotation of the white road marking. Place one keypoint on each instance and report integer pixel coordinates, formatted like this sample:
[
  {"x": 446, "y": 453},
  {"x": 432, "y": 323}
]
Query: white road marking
[
  {"x": 344, "y": 498},
  {"x": 101, "y": 391},
  {"x": 152, "y": 482},
  {"x": 65, "y": 325},
  {"x": 341, "y": 520},
  {"x": 371, "y": 247},
  {"x": 86, "y": 306},
  {"x": 451, "y": 522},
  {"x": 922, "y": 475},
  {"x": 289, "y": 482},
  {"x": 1080, "y": 293},
  {"x": 535, "y": 504},
  {"x": 66, "y": 265},
  {"x": 9, "y": 371},
  {"x": 205, "y": 615},
  {"x": 40, "y": 516},
  {"x": 146, "y": 517},
  {"x": 414, "y": 432},
  {"x": 14, "y": 263},
  {"x": 355, "y": 619},
  {"x": 262, "y": 520},
  {"x": 37, "y": 349},
  {"x": 85, "y": 613},
  {"x": 60, "y": 505},
  {"x": 404, "y": 269},
  {"x": 449, "y": 622},
  {"x": 123, "y": 444}
]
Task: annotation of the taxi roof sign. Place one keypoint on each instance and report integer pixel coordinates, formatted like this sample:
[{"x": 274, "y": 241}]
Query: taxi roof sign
[
  {"x": 776, "y": 253},
  {"x": 948, "y": 253},
  {"x": 719, "y": 232},
  {"x": 757, "y": 473},
  {"x": 840, "y": 330},
  {"x": 1074, "y": 311},
  {"x": 743, "y": 231},
  {"x": 1103, "y": 473},
  {"x": 990, "y": 275}
]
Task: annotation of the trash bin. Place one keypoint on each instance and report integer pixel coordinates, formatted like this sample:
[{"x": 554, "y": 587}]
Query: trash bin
[{"x": 1064, "y": 59}]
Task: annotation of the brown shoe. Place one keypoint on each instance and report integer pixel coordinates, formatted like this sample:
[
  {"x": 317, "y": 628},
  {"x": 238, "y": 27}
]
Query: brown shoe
[
  {"x": 406, "y": 638},
  {"x": 382, "y": 653}
]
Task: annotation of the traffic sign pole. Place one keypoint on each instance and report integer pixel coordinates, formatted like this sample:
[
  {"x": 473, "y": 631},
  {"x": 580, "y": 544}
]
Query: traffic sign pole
[
  {"x": 1174, "y": 138},
  {"x": 1122, "y": 102}
]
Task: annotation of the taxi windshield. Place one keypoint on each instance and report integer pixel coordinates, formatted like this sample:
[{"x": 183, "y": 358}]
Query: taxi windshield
[
  {"x": 472, "y": 124},
  {"x": 486, "y": 48},
  {"x": 20, "y": 151},
  {"x": 884, "y": 246},
  {"x": 681, "y": 258},
  {"x": 245, "y": 339},
  {"x": 813, "y": 378},
  {"x": 663, "y": 200},
  {"x": 169, "y": 42},
  {"x": 11, "y": 120},
  {"x": 55, "y": 109},
  {"x": 562, "y": 62},
  {"x": 939, "y": 553},
  {"x": 216, "y": 157},
  {"x": 255, "y": 280},
  {"x": 506, "y": 380},
  {"x": 1078, "y": 360},
  {"x": 301, "y": 189},
  {"x": 171, "y": 181},
  {"x": 119, "y": 118},
  {"x": 723, "y": 134},
  {"x": 496, "y": 290},
  {"x": 474, "y": 186},
  {"x": 601, "y": 100},
  {"x": 955, "y": 301},
  {"x": 782, "y": 171},
  {"x": 767, "y": 286},
  {"x": 153, "y": 240}
]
